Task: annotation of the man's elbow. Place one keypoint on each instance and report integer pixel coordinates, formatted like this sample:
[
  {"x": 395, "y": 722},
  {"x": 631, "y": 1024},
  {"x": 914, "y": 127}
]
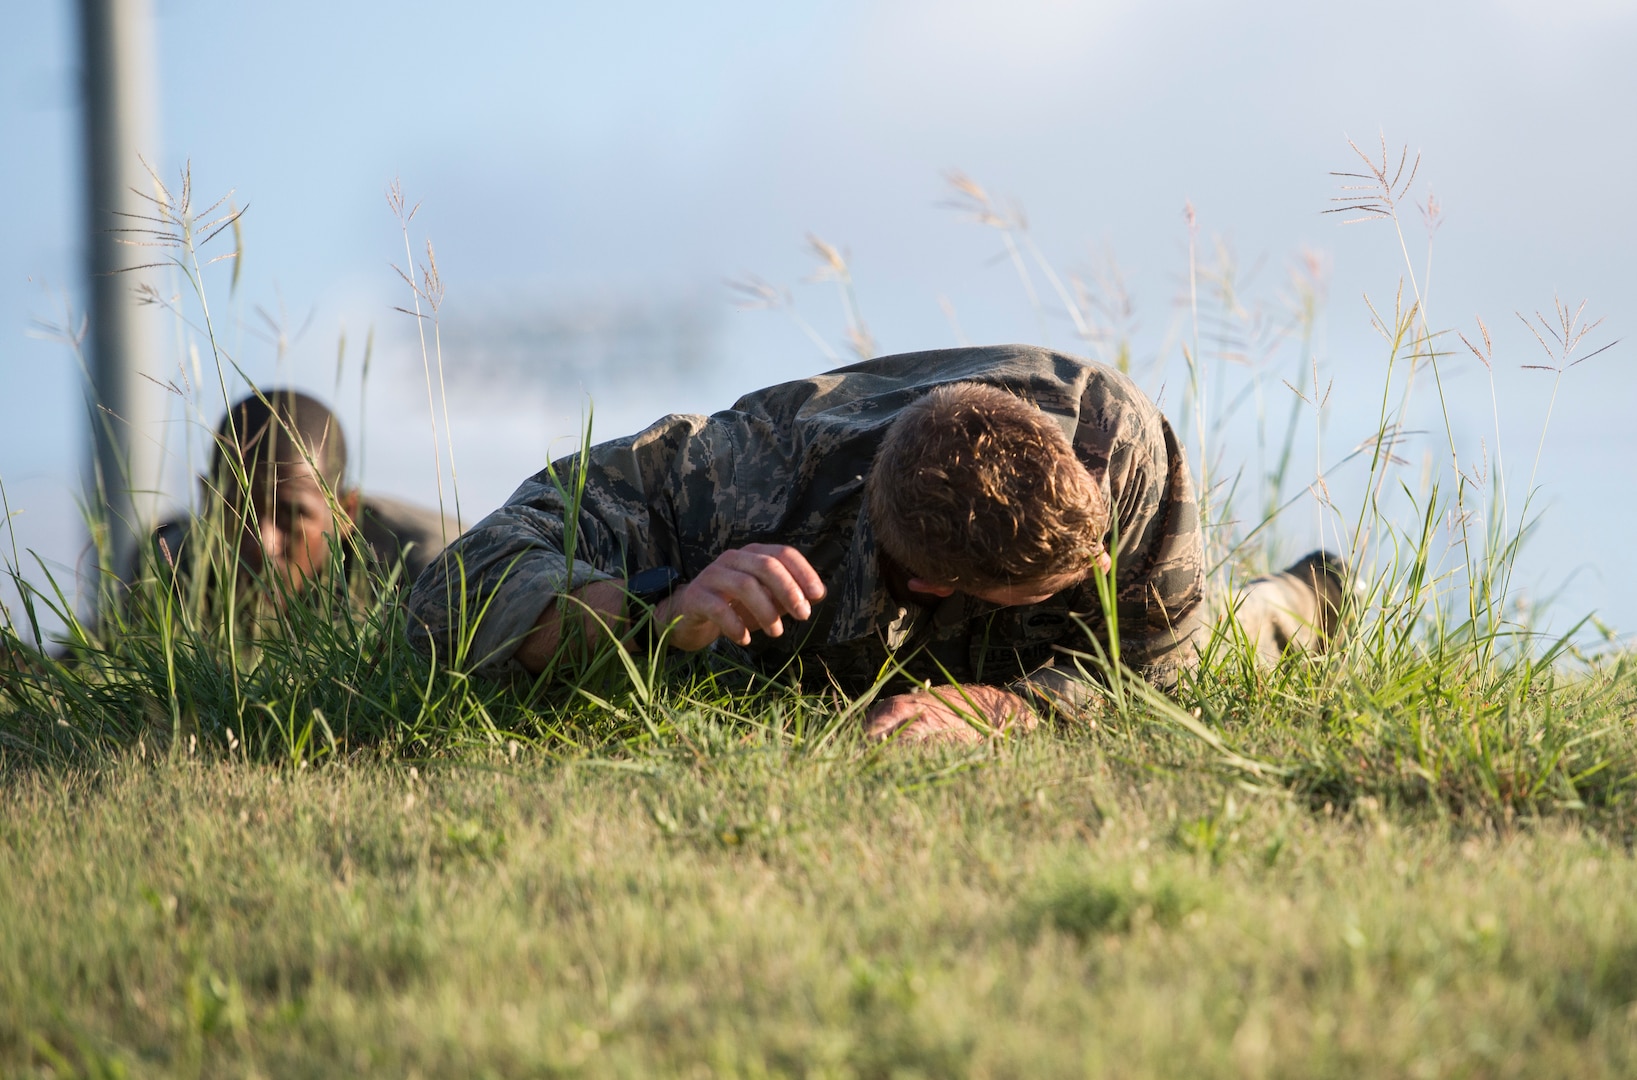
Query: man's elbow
[
  {"x": 429, "y": 606},
  {"x": 426, "y": 635}
]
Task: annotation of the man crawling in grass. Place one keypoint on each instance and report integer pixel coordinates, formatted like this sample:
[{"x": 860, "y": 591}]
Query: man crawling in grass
[{"x": 948, "y": 517}]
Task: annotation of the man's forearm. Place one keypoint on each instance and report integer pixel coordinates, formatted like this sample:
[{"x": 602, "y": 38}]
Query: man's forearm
[{"x": 585, "y": 617}]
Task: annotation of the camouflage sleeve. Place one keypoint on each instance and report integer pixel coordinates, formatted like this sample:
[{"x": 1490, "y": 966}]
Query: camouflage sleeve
[
  {"x": 1156, "y": 544},
  {"x": 473, "y": 605},
  {"x": 1161, "y": 600}
]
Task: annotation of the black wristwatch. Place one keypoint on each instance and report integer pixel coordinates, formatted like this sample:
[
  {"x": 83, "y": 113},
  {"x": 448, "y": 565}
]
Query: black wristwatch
[
  {"x": 652, "y": 586},
  {"x": 648, "y": 588}
]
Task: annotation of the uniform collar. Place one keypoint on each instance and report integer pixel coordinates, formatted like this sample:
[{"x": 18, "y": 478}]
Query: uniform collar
[
  {"x": 867, "y": 608},
  {"x": 864, "y": 605}
]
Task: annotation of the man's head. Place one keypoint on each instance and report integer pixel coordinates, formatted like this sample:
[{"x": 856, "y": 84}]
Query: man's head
[
  {"x": 976, "y": 490},
  {"x": 279, "y": 467}
]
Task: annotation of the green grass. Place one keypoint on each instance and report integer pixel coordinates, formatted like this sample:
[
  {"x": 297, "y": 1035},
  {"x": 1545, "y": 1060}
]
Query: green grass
[
  {"x": 255, "y": 839},
  {"x": 739, "y": 909}
]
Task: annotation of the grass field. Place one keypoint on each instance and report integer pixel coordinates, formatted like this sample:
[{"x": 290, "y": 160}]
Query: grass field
[
  {"x": 729, "y": 906},
  {"x": 250, "y": 839}
]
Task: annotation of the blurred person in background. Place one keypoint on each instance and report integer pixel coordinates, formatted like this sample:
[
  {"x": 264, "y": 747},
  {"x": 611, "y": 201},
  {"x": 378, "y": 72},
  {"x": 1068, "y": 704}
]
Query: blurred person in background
[
  {"x": 278, "y": 487},
  {"x": 275, "y": 506}
]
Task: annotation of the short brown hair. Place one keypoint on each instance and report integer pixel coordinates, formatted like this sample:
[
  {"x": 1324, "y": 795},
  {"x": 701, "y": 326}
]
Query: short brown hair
[
  {"x": 279, "y": 427},
  {"x": 973, "y": 486}
]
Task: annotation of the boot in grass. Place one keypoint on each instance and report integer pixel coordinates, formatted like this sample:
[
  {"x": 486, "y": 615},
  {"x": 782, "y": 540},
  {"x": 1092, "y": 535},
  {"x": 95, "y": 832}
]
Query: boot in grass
[{"x": 1301, "y": 607}]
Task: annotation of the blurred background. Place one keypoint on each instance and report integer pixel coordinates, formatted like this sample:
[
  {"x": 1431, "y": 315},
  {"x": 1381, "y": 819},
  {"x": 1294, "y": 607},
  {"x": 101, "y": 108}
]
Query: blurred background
[{"x": 621, "y": 195}]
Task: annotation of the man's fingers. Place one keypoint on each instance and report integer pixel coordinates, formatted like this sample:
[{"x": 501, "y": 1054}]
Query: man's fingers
[
  {"x": 774, "y": 580},
  {"x": 796, "y": 565},
  {"x": 735, "y": 601},
  {"x": 772, "y": 577},
  {"x": 706, "y": 604},
  {"x": 751, "y": 598},
  {"x": 918, "y": 720},
  {"x": 888, "y": 716},
  {"x": 910, "y": 718},
  {"x": 921, "y": 717},
  {"x": 750, "y": 589}
]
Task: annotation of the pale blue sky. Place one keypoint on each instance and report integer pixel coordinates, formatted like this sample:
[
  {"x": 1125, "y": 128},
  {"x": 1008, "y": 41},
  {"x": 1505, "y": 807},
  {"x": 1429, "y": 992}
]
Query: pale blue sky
[{"x": 625, "y": 159}]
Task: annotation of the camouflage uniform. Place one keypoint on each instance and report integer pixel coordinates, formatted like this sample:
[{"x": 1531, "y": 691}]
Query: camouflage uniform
[{"x": 787, "y": 465}]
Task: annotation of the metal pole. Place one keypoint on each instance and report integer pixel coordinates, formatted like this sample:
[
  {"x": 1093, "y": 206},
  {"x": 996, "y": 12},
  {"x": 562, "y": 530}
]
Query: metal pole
[{"x": 116, "y": 43}]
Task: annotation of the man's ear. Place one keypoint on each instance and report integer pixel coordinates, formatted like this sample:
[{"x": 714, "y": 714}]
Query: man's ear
[{"x": 928, "y": 588}]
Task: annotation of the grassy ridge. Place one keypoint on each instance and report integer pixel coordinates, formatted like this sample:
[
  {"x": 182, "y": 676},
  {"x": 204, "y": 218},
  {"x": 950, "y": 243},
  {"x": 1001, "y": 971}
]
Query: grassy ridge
[
  {"x": 1466, "y": 728},
  {"x": 739, "y": 909}
]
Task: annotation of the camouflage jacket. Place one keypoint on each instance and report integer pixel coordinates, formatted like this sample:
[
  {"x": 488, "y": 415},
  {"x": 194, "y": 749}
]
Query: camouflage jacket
[{"x": 787, "y": 465}]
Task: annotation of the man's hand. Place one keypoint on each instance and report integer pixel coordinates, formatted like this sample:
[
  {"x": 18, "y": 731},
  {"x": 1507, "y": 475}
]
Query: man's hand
[
  {"x": 743, "y": 591},
  {"x": 948, "y": 714}
]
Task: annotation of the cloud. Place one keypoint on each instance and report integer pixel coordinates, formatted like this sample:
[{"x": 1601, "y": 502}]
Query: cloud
[
  {"x": 980, "y": 54},
  {"x": 1571, "y": 14}
]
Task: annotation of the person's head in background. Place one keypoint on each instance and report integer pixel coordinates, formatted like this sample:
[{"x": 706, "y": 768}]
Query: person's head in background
[{"x": 279, "y": 468}]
